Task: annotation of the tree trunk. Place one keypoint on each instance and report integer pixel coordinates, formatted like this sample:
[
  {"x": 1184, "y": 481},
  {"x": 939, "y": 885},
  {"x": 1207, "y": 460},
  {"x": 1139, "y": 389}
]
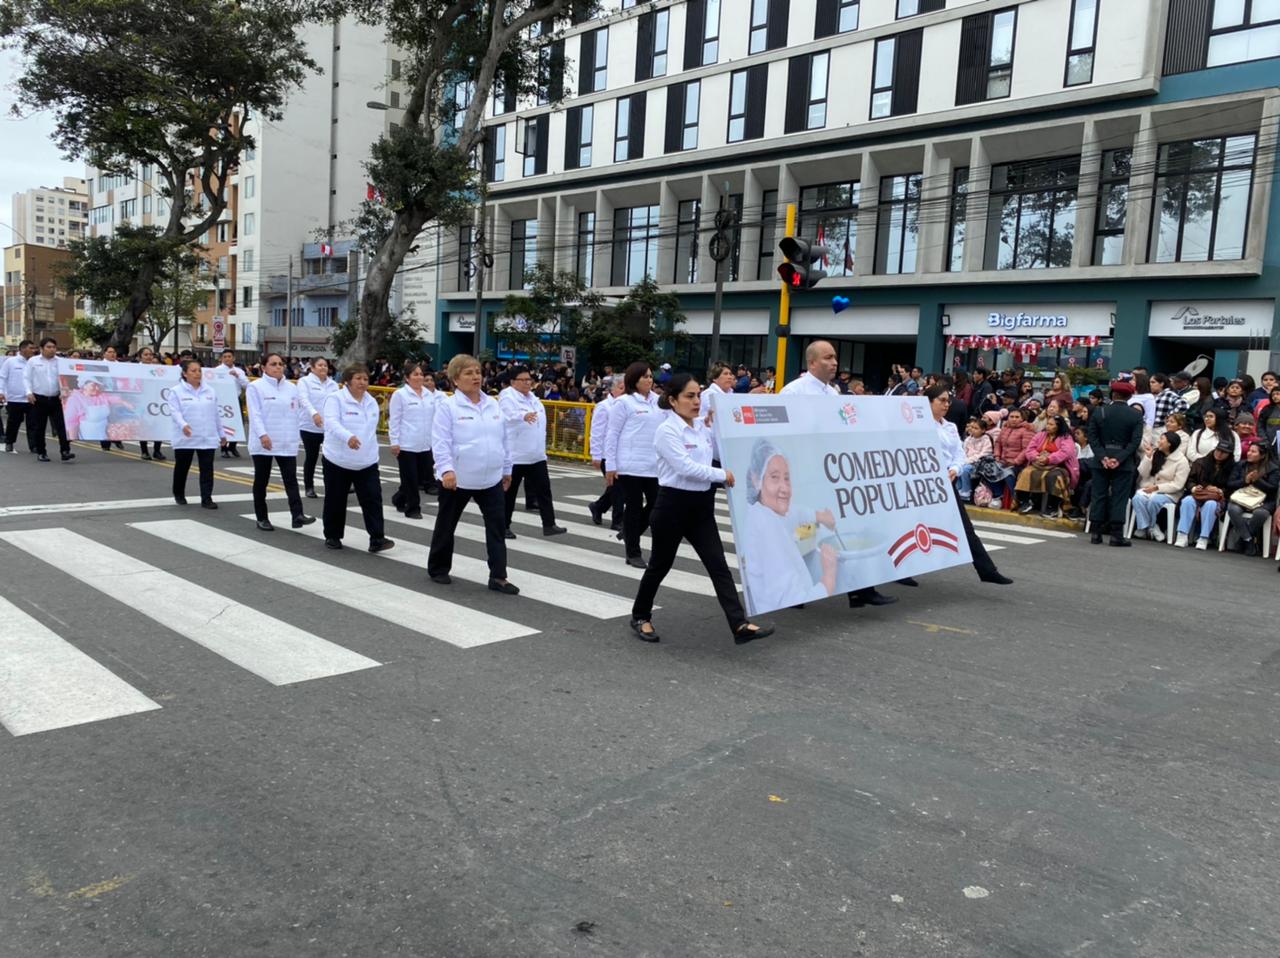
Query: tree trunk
[
  {"x": 375, "y": 301},
  {"x": 139, "y": 302}
]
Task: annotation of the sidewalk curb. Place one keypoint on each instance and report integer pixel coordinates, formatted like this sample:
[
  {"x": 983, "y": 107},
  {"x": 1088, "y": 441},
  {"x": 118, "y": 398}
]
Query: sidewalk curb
[{"x": 1005, "y": 517}]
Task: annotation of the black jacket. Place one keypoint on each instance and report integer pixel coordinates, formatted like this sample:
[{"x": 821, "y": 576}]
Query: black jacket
[
  {"x": 1207, "y": 471},
  {"x": 1268, "y": 482},
  {"x": 1269, "y": 425},
  {"x": 1115, "y": 432}
]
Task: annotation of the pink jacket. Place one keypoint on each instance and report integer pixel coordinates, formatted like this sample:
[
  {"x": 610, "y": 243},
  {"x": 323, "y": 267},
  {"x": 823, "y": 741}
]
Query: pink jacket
[
  {"x": 975, "y": 447},
  {"x": 1065, "y": 456},
  {"x": 1011, "y": 447}
]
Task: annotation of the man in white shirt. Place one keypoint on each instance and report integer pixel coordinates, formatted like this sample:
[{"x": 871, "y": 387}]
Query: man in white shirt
[
  {"x": 13, "y": 390},
  {"x": 228, "y": 361},
  {"x": 525, "y": 422},
  {"x": 611, "y": 498},
  {"x": 820, "y": 358},
  {"x": 45, "y": 396}
]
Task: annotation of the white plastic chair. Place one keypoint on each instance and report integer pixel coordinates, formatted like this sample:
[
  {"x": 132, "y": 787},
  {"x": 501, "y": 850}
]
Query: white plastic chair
[
  {"x": 1170, "y": 512},
  {"x": 1225, "y": 523}
]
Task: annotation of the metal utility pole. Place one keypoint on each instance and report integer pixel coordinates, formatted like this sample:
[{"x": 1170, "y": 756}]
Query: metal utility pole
[
  {"x": 288, "y": 313},
  {"x": 720, "y": 248}
]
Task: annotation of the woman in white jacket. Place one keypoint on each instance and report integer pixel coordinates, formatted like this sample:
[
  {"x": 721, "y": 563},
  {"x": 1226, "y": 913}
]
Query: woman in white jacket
[
  {"x": 314, "y": 390},
  {"x": 351, "y": 460},
  {"x": 273, "y": 435},
  {"x": 409, "y": 427},
  {"x": 1162, "y": 475},
  {"x": 629, "y": 452},
  {"x": 196, "y": 432}
]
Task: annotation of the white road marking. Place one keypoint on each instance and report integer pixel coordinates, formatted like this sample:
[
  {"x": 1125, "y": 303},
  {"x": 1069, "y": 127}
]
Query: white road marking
[
  {"x": 47, "y": 683},
  {"x": 271, "y": 649},
  {"x": 723, "y": 523},
  {"x": 988, "y": 537},
  {"x": 1036, "y": 531},
  {"x": 447, "y": 621},
  {"x": 533, "y": 585},
  {"x": 54, "y": 508}
]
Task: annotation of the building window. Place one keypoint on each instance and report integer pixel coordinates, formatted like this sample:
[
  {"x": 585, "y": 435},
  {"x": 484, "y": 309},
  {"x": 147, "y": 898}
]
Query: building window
[
  {"x": 224, "y": 231},
  {"x": 895, "y": 84},
  {"x": 898, "y": 224},
  {"x": 593, "y": 61},
  {"x": 1113, "y": 201},
  {"x": 585, "y": 250},
  {"x": 747, "y": 91},
  {"x": 128, "y": 209},
  {"x": 250, "y": 225},
  {"x": 395, "y": 69},
  {"x": 806, "y": 107},
  {"x": 636, "y": 234},
  {"x": 146, "y": 208},
  {"x": 701, "y": 33},
  {"x": 651, "y": 44},
  {"x": 466, "y": 268},
  {"x": 682, "y": 116},
  {"x": 535, "y": 145},
  {"x": 986, "y": 56},
  {"x": 711, "y": 33},
  {"x": 686, "y": 268},
  {"x": 1031, "y": 216},
  {"x": 246, "y": 261},
  {"x": 909, "y": 8},
  {"x": 250, "y": 187},
  {"x": 246, "y": 296},
  {"x": 835, "y": 16},
  {"x": 524, "y": 252},
  {"x": 496, "y": 153},
  {"x": 829, "y": 213},
  {"x": 628, "y": 135},
  {"x": 768, "y": 233},
  {"x": 1082, "y": 42},
  {"x": 959, "y": 217},
  {"x": 1244, "y": 30},
  {"x": 1202, "y": 199},
  {"x": 579, "y": 125},
  {"x": 327, "y": 316},
  {"x": 759, "y": 26}
]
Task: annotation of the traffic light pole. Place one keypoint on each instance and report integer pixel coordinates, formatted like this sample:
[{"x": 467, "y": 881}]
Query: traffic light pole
[{"x": 784, "y": 313}]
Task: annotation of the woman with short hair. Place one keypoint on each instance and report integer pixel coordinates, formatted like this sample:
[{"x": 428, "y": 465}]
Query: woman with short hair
[
  {"x": 314, "y": 390},
  {"x": 629, "y": 451},
  {"x": 350, "y": 459},
  {"x": 273, "y": 435},
  {"x": 409, "y": 429},
  {"x": 147, "y": 356},
  {"x": 196, "y": 432}
]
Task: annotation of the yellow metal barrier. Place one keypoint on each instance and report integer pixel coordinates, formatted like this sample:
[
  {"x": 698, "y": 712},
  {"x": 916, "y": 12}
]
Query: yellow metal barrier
[{"x": 568, "y": 429}]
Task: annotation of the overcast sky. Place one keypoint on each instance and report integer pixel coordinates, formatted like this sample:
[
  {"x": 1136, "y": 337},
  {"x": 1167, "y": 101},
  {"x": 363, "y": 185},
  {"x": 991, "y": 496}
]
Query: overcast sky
[{"x": 28, "y": 157}]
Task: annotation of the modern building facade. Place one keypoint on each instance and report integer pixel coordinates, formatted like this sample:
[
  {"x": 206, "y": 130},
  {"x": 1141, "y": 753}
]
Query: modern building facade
[
  {"x": 1093, "y": 177},
  {"x": 51, "y": 215}
]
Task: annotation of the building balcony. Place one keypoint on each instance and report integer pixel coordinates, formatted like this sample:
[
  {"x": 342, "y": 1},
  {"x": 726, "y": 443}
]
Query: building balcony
[{"x": 325, "y": 284}]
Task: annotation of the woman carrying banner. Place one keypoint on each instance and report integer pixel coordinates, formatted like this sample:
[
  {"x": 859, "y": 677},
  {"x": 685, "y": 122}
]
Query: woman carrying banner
[
  {"x": 273, "y": 434},
  {"x": 196, "y": 432},
  {"x": 685, "y": 509},
  {"x": 148, "y": 358},
  {"x": 939, "y": 397},
  {"x": 633, "y": 422},
  {"x": 351, "y": 459},
  {"x": 314, "y": 390}
]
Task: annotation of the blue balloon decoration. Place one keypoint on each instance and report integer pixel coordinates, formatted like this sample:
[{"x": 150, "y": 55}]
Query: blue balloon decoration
[{"x": 839, "y": 304}]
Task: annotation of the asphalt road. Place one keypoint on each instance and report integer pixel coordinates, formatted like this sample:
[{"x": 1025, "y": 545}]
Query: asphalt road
[{"x": 1084, "y": 763}]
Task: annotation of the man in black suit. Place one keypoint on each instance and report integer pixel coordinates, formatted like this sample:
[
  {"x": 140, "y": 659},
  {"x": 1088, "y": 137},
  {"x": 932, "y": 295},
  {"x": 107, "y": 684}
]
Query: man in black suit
[{"x": 1115, "y": 435}]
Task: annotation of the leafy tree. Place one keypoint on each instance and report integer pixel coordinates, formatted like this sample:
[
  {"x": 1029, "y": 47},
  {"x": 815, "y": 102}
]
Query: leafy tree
[
  {"x": 402, "y": 343},
  {"x": 547, "y": 314},
  {"x": 162, "y": 84},
  {"x": 176, "y": 301},
  {"x": 641, "y": 328}
]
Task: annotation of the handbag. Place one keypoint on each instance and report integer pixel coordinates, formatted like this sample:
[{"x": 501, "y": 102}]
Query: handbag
[{"x": 1248, "y": 498}]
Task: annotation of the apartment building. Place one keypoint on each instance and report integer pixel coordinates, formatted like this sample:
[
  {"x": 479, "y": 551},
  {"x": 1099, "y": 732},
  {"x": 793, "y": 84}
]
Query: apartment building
[
  {"x": 1093, "y": 177},
  {"x": 35, "y": 303},
  {"x": 51, "y": 215}
]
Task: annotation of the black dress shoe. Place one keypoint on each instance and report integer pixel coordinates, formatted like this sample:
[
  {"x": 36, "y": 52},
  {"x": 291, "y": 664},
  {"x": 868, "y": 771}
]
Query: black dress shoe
[
  {"x": 180, "y": 500},
  {"x": 432, "y": 490},
  {"x": 42, "y": 458},
  {"x": 1095, "y": 539},
  {"x": 442, "y": 578},
  {"x": 235, "y": 453},
  {"x": 1120, "y": 542},
  {"x": 995, "y": 578},
  {"x": 266, "y": 526},
  {"x": 225, "y": 454},
  {"x": 118, "y": 444},
  {"x": 637, "y": 626},
  {"x": 146, "y": 455},
  {"x": 382, "y": 545},
  {"x": 415, "y": 514},
  {"x": 508, "y": 534},
  {"x": 597, "y": 514},
  {"x": 300, "y": 521},
  {"x": 861, "y": 598},
  {"x": 208, "y": 504},
  {"x": 159, "y": 456},
  {"x": 554, "y": 531},
  {"x": 746, "y": 633},
  {"x": 333, "y": 543},
  {"x": 310, "y": 493},
  {"x": 506, "y": 588},
  {"x": 637, "y": 562},
  {"x": 909, "y": 581},
  {"x": 66, "y": 456}
]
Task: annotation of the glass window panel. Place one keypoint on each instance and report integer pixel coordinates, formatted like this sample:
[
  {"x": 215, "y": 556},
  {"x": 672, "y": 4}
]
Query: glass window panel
[
  {"x": 692, "y": 92},
  {"x": 908, "y": 8},
  {"x": 1063, "y": 231},
  {"x": 737, "y": 129},
  {"x": 1239, "y": 150},
  {"x": 1004, "y": 230},
  {"x": 1233, "y": 212},
  {"x": 1164, "y": 238},
  {"x": 711, "y": 26},
  {"x": 999, "y": 84},
  {"x": 1114, "y": 207},
  {"x": 738, "y": 94},
  {"x": 1256, "y": 44},
  {"x": 1228, "y": 13},
  {"x": 881, "y": 104},
  {"x": 1198, "y": 217},
  {"x": 848, "y": 17},
  {"x": 884, "y": 63},
  {"x": 1109, "y": 251},
  {"x": 1079, "y": 68},
  {"x": 1082, "y": 24},
  {"x": 1034, "y": 225},
  {"x": 817, "y": 118},
  {"x": 1265, "y": 10},
  {"x": 818, "y": 77},
  {"x": 1002, "y": 38}
]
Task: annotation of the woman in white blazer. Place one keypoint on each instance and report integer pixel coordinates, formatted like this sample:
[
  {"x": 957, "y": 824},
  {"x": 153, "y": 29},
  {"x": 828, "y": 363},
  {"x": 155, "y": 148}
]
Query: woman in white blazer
[
  {"x": 236, "y": 375},
  {"x": 409, "y": 425},
  {"x": 314, "y": 390},
  {"x": 629, "y": 452},
  {"x": 273, "y": 435},
  {"x": 351, "y": 460},
  {"x": 525, "y": 420},
  {"x": 197, "y": 431}
]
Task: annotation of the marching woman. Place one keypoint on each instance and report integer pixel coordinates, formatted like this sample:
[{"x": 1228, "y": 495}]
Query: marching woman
[
  {"x": 939, "y": 397},
  {"x": 148, "y": 358},
  {"x": 235, "y": 373},
  {"x": 611, "y": 498},
  {"x": 196, "y": 432},
  {"x": 468, "y": 439},
  {"x": 525, "y": 421},
  {"x": 351, "y": 460},
  {"x": 427, "y": 478},
  {"x": 314, "y": 390},
  {"x": 273, "y": 434},
  {"x": 409, "y": 425},
  {"x": 633, "y": 422},
  {"x": 685, "y": 509}
]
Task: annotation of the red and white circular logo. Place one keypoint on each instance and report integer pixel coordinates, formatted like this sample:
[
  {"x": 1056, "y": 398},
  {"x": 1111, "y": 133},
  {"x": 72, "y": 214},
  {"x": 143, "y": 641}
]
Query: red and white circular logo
[
  {"x": 908, "y": 413},
  {"x": 924, "y": 540}
]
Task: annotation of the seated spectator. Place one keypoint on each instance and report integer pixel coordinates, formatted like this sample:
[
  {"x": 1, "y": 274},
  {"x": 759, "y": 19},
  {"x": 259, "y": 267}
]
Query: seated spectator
[
  {"x": 1083, "y": 493},
  {"x": 1080, "y": 412},
  {"x": 1011, "y": 449},
  {"x": 1269, "y": 419},
  {"x": 1265, "y": 393},
  {"x": 1204, "y": 496},
  {"x": 1097, "y": 398},
  {"x": 994, "y": 418},
  {"x": 1162, "y": 475},
  {"x": 976, "y": 445},
  {"x": 1054, "y": 410},
  {"x": 1061, "y": 391},
  {"x": 1213, "y": 431},
  {"x": 1177, "y": 422},
  {"x": 1251, "y": 498},
  {"x": 1246, "y": 427},
  {"x": 1231, "y": 401},
  {"x": 1052, "y": 471}
]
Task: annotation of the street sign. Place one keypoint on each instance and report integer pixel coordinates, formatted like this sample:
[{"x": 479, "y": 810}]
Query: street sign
[
  {"x": 569, "y": 355},
  {"x": 219, "y": 332}
]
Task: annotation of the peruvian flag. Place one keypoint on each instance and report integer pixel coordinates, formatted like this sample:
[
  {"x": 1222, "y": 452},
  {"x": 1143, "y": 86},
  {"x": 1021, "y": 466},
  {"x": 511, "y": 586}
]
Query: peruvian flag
[
  {"x": 373, "y": 193},
  {"x": 326, "y": 250},
  {"x": 848, "y": 256},
  {"x": 822, "y": 241}
]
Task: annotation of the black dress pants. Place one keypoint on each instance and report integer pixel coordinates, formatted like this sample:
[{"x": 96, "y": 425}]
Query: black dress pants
[
  {"x": 639, "y": 493},
  {"x": 449, "y": 511},
  {"x": 611, "y": 499},
  {"x": 338, "y": 482},
  {"x": 412, "y": 466},
  {"x": 982, "y": 563},
  {"x": 182, "y": 465},
  {"x": 288, "y": 478},
  {"x": 679, "y": 515},
  {"x": 18, "y": 413},
  {"x": 47, "y": 409},
  {"x": 1112, "y": 490},
  {"x": 155, "y": 448},
  {"x": 537, "y": 488},
  {"x": 311, "y": 442}
]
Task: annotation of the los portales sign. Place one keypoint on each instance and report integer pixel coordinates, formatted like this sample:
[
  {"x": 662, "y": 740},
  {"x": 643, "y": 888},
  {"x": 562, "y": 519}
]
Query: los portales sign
[{"x": 1221, "y": 319}]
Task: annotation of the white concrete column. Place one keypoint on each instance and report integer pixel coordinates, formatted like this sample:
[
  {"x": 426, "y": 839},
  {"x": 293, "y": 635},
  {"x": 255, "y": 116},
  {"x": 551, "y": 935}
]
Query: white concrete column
[
  {"x": 935, "y": 212},
  {"x": 602, "y": 256},
  {"x": 864, "y": 252},
  {"x": 668, "y": 209},
  {"x": 546, "y": 249},
  {"x": 975, "y": 217},
  {"x": 1142, "y": 184},
  {"x": 706, "y": 229},
  {"x": 499, "y": 238},
  {"x": 1087, "y": 196},
  {"x": 565, "y": 236},
  {"x": 752, "y": 198},
  {"x": 1260, "y": 205}
]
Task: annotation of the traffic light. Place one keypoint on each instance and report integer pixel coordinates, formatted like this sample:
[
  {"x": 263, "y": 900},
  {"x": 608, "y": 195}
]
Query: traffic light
[{"x": 802, "y": 270}]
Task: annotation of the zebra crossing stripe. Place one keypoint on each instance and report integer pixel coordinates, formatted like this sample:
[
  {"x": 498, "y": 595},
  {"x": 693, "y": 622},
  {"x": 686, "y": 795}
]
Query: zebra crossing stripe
[
  {"x": 987, "y": 536},
  {"x": 570, "y": 555},
  {"x": 270, "y": 649},
  {"x": 47, "y": 683},
  {"x": 52, "y": 508},
  {"x": 541, "y": 588},
  {"x": 721, "y": 521},
  {"x": 1037, "y": 531},
  {"x": 455, "y": 624}
]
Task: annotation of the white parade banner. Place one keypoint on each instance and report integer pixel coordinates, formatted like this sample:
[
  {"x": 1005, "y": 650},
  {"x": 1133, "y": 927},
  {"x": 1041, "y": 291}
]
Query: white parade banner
[
  {"x": 129, "y": 402},
  {"x": 834, "y": 493}
]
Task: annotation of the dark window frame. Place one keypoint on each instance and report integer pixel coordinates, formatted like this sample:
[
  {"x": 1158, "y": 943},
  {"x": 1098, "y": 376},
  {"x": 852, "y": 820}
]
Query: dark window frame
[
  {"x": 520, "y": 250},
  {"x": 904, "y": 83},
  {"x": 1025, "y": 171},
  {"x": 769, "y": 221},
  {"x": 811, "y": 217},
  {"x": 1246, "y": 24},
  {"x": 958, "y": 218},
  {"x": 584, "y": 254},
  {"x": 626, "y": 233},
  {"x": 1109, "y": 181},
  {"x": 1074, "y": 51},
  {"x": 922, "y": 7},
  {"x": 983, "y": 24},
  {"x": 885, "y": 211},
  {"x": 1185, "y": 176},
  {"x": 688, "y": 213}
]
